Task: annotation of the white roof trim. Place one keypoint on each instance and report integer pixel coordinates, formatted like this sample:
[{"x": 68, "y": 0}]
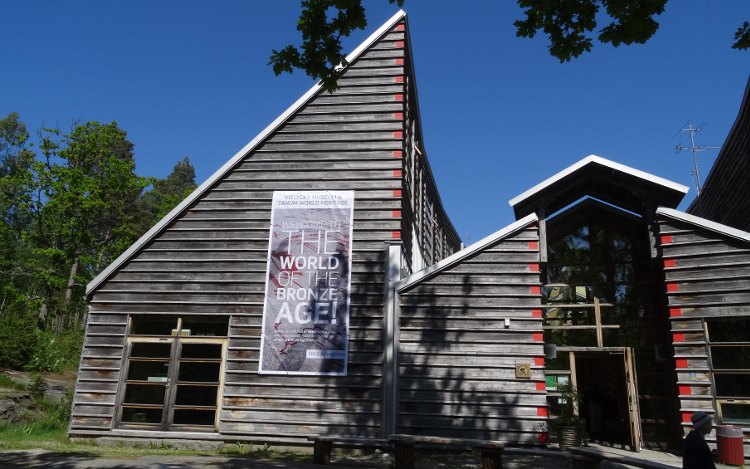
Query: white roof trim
[
  {"x": 704, "y": 223},
  {"x": 604, "y": 162},
  {"x": 172, "y": 215},
  {"x": 460, "y": 255}
]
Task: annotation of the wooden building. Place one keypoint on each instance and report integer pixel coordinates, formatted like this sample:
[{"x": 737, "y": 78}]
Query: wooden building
[
  {"x": 203, "y": 269},
  {"x": 600, "y": 283}
]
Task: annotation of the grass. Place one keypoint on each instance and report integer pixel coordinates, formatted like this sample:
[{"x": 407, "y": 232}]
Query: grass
[{"x": 9, "y": 383}]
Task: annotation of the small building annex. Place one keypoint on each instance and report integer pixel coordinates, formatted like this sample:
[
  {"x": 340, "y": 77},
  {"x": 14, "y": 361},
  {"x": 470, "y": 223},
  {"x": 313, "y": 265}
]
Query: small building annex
[{"x": 315, "y": 285}]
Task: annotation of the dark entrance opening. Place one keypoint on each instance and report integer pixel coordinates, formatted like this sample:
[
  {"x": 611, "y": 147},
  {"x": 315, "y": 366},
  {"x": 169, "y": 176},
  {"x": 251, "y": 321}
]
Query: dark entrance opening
[{"x": 601, "y": 380}]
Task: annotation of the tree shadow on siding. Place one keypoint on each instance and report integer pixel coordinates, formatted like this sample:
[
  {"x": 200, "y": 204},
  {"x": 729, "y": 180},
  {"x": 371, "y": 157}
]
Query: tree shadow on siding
[
  {"x": 451, "y": 387},
  {"x": 352, "y": 404}
]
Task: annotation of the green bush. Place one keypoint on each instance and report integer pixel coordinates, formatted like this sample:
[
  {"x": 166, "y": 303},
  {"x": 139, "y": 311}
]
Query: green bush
[
  {"x": 18, "y": 340},
  {"x": 38, "y": 386},
  {"x": 56, "y": 352}
]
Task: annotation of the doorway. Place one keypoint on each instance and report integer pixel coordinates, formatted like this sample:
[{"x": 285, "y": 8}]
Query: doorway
[{"x": 606, "y": 380}]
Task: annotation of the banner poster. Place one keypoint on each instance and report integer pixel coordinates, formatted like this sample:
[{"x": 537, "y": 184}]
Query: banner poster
[{"x": 306, "y": 309}]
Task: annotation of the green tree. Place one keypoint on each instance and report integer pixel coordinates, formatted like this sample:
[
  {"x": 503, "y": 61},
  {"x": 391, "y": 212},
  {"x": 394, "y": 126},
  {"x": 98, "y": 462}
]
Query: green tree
[
  {"x": 19, "y": 299},
  {"x": 67, "y": 212},
  {"x": 568, "y": 24},
  {"x": 87, "y": 210},
  {"x": 166, "y": 193},
  {"x": 16, "y": 192}
]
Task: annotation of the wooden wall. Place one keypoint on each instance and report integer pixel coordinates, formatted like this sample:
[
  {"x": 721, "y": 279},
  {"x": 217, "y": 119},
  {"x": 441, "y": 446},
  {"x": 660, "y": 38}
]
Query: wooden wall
[
  {"x": 707, "y": 275},
  {"x": 457, "y": 361},
  {"x": 212, "y": 260}
]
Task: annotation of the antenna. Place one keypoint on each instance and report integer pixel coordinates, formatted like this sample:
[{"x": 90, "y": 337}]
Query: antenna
[{"x": 694, "y": 150}]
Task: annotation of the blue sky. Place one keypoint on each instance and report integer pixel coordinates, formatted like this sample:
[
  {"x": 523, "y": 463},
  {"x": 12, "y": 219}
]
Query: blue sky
[{"x": 190, "y": 78}]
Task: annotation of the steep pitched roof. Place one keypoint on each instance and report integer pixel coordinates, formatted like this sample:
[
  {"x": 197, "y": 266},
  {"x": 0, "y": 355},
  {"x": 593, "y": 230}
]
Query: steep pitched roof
[
  {"x": 235, "y": 160},
  {"x": 725, "y": 196},
  {"x": 603, "y": 179}
]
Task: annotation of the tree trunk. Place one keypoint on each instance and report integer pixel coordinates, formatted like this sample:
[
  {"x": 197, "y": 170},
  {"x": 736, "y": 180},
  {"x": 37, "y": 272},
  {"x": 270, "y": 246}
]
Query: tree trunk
[{"x": 71, "y": 281}]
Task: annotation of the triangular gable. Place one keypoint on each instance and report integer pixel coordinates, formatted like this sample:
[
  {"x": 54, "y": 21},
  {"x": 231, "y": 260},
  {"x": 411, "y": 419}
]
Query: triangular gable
[
  {"x": 235, "y": 160},
  {"x": 704, "y": 223},
  {"x": 601, "y": 178},
  {"x": 456, "y": 258}
]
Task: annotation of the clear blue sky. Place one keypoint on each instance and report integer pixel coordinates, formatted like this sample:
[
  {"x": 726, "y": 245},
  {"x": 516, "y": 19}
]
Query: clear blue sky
[{"x": 190, "y": 78}]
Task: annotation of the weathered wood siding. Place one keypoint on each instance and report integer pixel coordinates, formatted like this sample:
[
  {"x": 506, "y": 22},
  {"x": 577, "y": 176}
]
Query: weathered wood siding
[
  {"x": 212, "y": 260},
  {"x": 707, "y": 275},
  {"x": 457, "y": 361}
]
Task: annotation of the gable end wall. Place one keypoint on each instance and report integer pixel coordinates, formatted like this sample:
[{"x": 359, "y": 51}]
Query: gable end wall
[
  {"x": 707, "y": 275},
  {"x": 212, "y": 260},
  {"x": 457, "y": 361}
]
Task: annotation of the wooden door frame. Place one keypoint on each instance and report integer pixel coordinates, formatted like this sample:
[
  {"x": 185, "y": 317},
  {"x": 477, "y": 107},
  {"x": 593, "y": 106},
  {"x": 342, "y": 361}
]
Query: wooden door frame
[{"x": 631, "y": 382}]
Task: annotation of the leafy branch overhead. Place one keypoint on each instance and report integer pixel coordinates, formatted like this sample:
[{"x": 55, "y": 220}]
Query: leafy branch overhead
[
  {"x": 568, "y": 24},
  {"x": 322, "y": 23}
]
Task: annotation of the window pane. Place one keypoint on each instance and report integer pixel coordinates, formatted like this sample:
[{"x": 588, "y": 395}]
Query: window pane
[
  {"x": 153, "y": 325},
  {"x": 199, "y": 372},
  {"x": 570, "y": 317},
  {"x": 201, "y": 351},
  {"x": 144, "y": 393},
  {"x": 732, "y": 385},
  {"x": 148, "y": 371},
  {"x": 729, "y": 330},
  {"x": 136, "y": 415},
  {"x": 560, "y": 362},
  {"x": 196, "y": 395},
  {"x": 571, "y": 337},
  {"x": 194, "y": 417},
  {"x": 150, "y": 350},
  {"x": 734, "y": 358},
  {"x": 736, "y": 413},
  {"x": 206, "y": 325}
]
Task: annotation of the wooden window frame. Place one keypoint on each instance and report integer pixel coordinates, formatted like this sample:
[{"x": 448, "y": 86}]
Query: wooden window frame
[
  {"x": 168, "y": 406},
  {"x": 725, "y": 400}
]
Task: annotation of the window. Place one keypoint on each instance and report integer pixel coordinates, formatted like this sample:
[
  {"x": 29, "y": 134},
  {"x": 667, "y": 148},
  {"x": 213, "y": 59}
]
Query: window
[
  {"x": 729, "y": 350},
  {"x": 173, "y": 372}
]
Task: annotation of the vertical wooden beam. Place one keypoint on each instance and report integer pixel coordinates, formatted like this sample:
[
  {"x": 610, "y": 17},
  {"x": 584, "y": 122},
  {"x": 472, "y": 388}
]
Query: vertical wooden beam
[
  {"x": 390, "y": 343},
  {"x": 598, "y": 318},
  {"x": 542, "y": 214},
  {"x": 648, "y": 216},
  {"x": 573, "y": 380}
]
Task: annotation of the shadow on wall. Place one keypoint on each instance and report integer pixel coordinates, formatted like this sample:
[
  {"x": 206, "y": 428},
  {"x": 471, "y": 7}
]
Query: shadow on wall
[
  {"x": 449, "y": 377},
  {"x": 352, "y": 404}
]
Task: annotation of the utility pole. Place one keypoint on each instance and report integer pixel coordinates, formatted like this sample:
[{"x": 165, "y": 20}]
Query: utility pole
[{"x": 694, "y": 150}]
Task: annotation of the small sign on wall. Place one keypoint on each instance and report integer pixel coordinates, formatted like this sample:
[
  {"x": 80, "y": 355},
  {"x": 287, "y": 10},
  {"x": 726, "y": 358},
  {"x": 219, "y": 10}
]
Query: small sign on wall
[{"x": 523, "y": 370}]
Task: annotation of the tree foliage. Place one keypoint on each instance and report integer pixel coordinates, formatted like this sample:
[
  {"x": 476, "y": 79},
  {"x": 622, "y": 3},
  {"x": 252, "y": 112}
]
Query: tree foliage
[
  {"x": 322, "y": 23},
  {"x": 69, "y": 209},
  {"x": 568, "y": 24}
]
